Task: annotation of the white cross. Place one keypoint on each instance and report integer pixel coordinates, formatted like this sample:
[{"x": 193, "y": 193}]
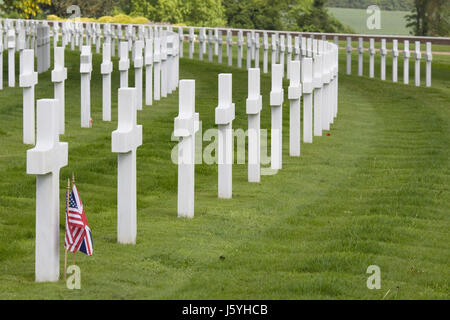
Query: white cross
[
  {"x": 124, "y": 64},
  {"x": 157, "y": 67},
  {"x": 256, "y": 47},
  {"x": 148, "y": 71},
  {"x": 294, "y": 95},
  {"x": 253, "y": 110},
  {"x": 406, "y": 56},
  {"x": 85, "y": 71},
  {"x": 240, "y": 47},
  {"x": 164, "y": 69},
  {"x": 360, "y": 56},
  {"x": 276, "y": 102},
  {"x": 417, "y": 57},
  {"x": 289, "y": 54},
  {"x": 274, "y": 43},
  {"x": 349, "y": 55},
  {"x": 201, "y": 39},
  {"x": 394, "y": 60},
  {"x": 28, "y": 79},
  {"x": 282, "y": 50},
  {"x": 45, "y": 160},
  {"x": 11, "y": 43},
  {"x": 265, "y": 52},
  {"x": 224, "y": 116},
  {"x": 124, "y": 141},
  {"x": 249, "y": 50},
  {"x": 429, "y": 58},
  {"x": 185, "y": 126},
  {"x": 210, "y": 45},
  {"x": 191, "y": 42},
  {"x": 372, "y": 58},
  {"x": 383, "y": 53},
  {"x": 180, "y": 39},
  {"x": 106, "y": 69},
  {"x": 138, "y": 62},
  {"x": 230, "y": 47},
  {"x": 59, "y": 75},
  {"x": 220, "y": 44}
]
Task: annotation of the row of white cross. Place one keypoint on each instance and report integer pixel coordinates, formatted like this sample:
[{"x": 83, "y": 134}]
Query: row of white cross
[
  {"x": 49, "y": 155},
  {"x": 281, "y": 45},
  {"x": 314, "y": 78},
  {"x": 395, "y": 55}
]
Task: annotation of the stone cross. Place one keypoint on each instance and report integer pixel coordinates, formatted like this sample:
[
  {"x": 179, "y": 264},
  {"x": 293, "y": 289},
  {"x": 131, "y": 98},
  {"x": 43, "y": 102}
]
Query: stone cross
[
  {"x": 372, "y": 58},
  {"x": 282, "y": 51},
  {"x": 249, "y": 50},
  {"x": 164, "y": 69},
  {"x": 327, "y": 110},
  {"x": 360, "y": 56},
  {"x": 224, "y": 116},
  {"x": 297, "y": 43},
  {"x": 216, "y": 41},
  {"x": 98, "y": 35},
  {"x": 265, "y": 52},
  {"x": 59, "y": 75},
  {"x": 27, "y": 81},
  {"x": 124, "y": 64},
  {"x": 138, "y": 62},
  {"x": 383, "y": 53},
  {"x": 304, "y": 47},
  {"x": 85, "y": 70},
  {"x": 202, "y": 45},
  {"x": 113, "y": 40},
  {"x": 230, "y": 47},
  {"x": 171, "y": 61},
  {"x": 428, "y": 59},
  {"x": 210, "y": 45},
  {"x": 129, "y": 36},
  {"x": 148, "y": 71},
  {"x": 308, "y": 87},
  {"x": 157, "y": 67},
  {"x": 406, "y": 56},
  {"x": 349, "y": 55},
  {"x": 319, "y": 103},
  {"x": 309, "y": 47},
  {"x": 185, "y": 126},
  {"x": 240, "y": 48},
  {"x": 11, "y": 44},
  {"x": 124, "y": 141},
  {"x": 180, "y": 43},
  {"x": 220, "y": 44},
  {"x": 191, "y": 42},
  {"x": 274, "y": 42},
  {"x": 106, "y": 69},
  {"x": 288, "y": 54},
  {"x": 394, "y": 60},
  {"x": 55, "y": 33},
  {"x": 253, "y": 110},
  {"x": 45, "y": 161},
  {"x": 294, "y": 95},
  {"x": 417, "y": 57},
  {"x": 276, "y": 102},
  {"x": 257, "y": 46}
]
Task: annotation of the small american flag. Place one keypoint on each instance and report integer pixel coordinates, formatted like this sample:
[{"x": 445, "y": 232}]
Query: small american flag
[{"x": 78, "y": 234}]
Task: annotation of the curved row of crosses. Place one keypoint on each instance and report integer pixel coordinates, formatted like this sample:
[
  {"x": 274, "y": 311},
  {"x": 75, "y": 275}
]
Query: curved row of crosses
[{"x": 313, "y": 80}]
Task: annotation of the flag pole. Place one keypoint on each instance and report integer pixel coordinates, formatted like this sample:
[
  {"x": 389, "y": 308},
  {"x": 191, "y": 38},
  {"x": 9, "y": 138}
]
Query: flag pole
[
  {"x": 73, "y": 183},
  {"x": 67, "y": 208}
]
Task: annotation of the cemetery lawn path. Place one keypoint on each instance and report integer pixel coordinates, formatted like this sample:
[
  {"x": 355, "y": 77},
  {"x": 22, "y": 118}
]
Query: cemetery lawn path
[{"x": 373, "y": 192}]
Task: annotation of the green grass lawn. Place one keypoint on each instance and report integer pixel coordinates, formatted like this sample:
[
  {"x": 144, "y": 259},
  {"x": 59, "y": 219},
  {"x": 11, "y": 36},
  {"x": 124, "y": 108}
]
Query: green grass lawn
[
  {"x": 392, "y": 22},
  {"x": 374, "y": 192}
]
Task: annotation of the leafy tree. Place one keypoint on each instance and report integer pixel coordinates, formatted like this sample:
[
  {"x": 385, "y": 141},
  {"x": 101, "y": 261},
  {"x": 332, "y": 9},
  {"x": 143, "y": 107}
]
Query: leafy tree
[
  {"x": 24, "y": 8},
  {"x": 88, "y": 8},
  {"x": 430, "y": 18}
]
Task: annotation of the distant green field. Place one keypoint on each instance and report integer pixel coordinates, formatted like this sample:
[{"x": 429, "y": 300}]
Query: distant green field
[{"x": 392, "y": 22}]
